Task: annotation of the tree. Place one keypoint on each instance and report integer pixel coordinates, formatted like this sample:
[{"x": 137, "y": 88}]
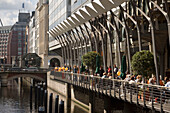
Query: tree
[
  {"x": 89, "y": 59},
  {"x": 143, "y": 63}
]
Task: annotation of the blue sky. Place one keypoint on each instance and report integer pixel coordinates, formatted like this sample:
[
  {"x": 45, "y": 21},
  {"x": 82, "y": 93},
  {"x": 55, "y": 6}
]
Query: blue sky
[{"x": 9, "y": 9}]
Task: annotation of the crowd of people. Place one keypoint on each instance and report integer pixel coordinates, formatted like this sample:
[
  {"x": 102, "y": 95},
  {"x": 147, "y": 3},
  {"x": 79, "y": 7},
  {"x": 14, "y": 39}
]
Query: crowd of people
[
  {"x": 117, "y": 74},
  {"x": 130, "y": 78}
]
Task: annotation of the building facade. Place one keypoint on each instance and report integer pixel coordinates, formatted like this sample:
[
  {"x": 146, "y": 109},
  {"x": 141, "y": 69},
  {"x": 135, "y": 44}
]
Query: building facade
[
  {"x": 4, "y": 36},
  {"x": 59, "y": 10},
  {"x": 16, "y": 42},
  {"x": 31, "y": 34},
  {"x": 117, "y": 28},
  {"x": 76, "y": 4}
]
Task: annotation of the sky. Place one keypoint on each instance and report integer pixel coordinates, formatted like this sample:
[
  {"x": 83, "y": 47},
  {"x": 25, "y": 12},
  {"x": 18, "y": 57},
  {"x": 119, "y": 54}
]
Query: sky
[{"x": 9, "y": 9}]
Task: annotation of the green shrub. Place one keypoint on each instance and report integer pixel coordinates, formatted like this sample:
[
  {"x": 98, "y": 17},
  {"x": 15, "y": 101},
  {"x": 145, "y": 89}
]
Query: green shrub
[
  {"x": 89, "y": 59},
  {"x": 143, "y": 63}
]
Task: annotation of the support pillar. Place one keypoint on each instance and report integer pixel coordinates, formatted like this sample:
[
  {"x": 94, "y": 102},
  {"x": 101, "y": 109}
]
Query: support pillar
[
  {"x": 91, "y": 101},
  {"x": 162, "y": 65},
  {"x": 129, "y": 108},
  {"x": 4, "y": 80},
  {"x": 107, "y": 105},
  {"x": 68, "y": 90}
]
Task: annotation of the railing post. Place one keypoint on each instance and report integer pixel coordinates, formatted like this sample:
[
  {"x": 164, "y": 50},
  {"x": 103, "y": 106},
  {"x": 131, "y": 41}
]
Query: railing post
[
  {"x": 35, "y": 96},
  {"x": 161, "y": 93},
  {"x": 79, "y": 79},
  {"x": 114, "y": 89},
  {"x": 152, "y": 97},
  {"x": 89, "y": 81},
  {"x": 39, "y": 96},
  {"x": 124, "y": 84},
  {"x": 144, "y": 102},
  {"x": 137, "y": 94},
  {"x": 95, "y": 81},
  {"x": 45, "y": 100},
  {"x": 120, "y": 90},
  {"x": 30, "y": 97},
  {"x": 110, "y": 87},
  {"x": 102, "y": 85},
  {"x": 106, "y": 85},
  {"x": 130, "y": 93},
  {"x": 99, "y": 80}
]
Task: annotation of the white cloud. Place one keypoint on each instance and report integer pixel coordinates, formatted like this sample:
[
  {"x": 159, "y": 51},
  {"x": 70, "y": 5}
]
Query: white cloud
[{"x": 9, "y": 9}]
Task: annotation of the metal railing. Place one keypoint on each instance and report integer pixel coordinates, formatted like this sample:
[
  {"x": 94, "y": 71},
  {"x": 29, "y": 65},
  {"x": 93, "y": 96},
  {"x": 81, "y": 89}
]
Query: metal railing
[
  {"x": 154, "y": 97},
  {"x": 23, "y": 70}
]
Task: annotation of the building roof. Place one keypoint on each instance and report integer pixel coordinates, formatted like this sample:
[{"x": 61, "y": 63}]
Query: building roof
[
  {"x": 89, "y": 11},
  {"x": 5, "y": 27}
]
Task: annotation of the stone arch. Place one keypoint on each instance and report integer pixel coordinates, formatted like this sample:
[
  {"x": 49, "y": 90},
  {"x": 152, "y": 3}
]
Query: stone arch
[
  {"x": 60, "y": 59},
  {"x": 26, "y": 75},
  {"x": 54, "y": 62}
]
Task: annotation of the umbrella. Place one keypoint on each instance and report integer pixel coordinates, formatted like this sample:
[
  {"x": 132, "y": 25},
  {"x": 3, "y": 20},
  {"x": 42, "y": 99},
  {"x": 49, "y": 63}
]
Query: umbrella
[
  {"x": 123, "y": 67},
  {"x": 97, "y": 64},
  {"x": 82, "y": 69}
]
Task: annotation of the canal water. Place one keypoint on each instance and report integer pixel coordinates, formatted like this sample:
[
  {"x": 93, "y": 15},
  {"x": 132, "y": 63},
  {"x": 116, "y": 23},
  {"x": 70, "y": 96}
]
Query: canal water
[{"x": 16, "y": 99}]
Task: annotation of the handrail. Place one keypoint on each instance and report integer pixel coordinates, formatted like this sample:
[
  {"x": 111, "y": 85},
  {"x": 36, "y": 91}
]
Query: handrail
[
  {"x": 147, "y": 95},
  {"x": 112, "y": 79}
]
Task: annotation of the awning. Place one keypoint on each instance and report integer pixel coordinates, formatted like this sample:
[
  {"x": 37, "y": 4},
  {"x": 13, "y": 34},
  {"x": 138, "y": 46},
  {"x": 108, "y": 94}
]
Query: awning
[{"x": 89, "y": 11}]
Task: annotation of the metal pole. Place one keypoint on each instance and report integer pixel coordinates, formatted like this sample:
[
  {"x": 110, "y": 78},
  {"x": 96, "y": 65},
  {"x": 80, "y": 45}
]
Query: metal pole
[
  {"x": 71, "y": 45},
  {"x": 118, "y": 37},
  {"x": 66, "y": 41},
  {"x": 85, "y": 41},
  {"x": 56, "y": 103},
  {"x": 65, "y": 50},
  {"x": 166, "y": 14},
  {"x": 153, "y": 42},
  {"x": 137, "y": 27},
  {"x": 110, "y": 48},
  {"x": 30, "y": 97},
  {"x": 128, "y": 42},
  {"x": 51, "y": 103},
  {"x": 104, "y": 59},
  {"x": 77, "y": 49},
  {"x": 80, "y": 38},
  {"x": 127, "y": 39},
  {"x": 74, "y": 43},
  {"x": 35, "y": 96},
  {"x": 88, "y": 34},
  {"x": 95, "y": 37},
  {"x": 45, "y": 100}
]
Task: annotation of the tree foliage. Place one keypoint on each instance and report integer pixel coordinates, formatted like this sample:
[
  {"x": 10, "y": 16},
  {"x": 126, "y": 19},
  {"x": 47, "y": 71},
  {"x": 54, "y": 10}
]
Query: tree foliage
[
  {"x": 143, "y": 63},
  {"x": 89, "y": 59}
]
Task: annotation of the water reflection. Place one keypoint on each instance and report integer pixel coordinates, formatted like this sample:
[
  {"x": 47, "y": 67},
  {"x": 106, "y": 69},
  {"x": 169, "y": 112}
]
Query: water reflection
[
  {"x": 16, "y": 99},
  {"x": 69, "y": 106}
]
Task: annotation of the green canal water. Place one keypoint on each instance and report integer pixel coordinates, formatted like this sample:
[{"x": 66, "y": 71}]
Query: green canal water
[{"x": 16, "y": 99}]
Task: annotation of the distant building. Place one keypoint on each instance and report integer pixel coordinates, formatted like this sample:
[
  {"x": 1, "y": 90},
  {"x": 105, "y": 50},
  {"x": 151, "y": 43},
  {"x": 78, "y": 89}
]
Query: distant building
[
  {"x": 16, "y": 42},
  {"x": 4, "y": 35},
  {"x": 31, "y": 34}
]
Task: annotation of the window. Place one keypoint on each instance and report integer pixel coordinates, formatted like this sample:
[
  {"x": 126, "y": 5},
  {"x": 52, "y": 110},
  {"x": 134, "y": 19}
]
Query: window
[
  {"x": 19, "y": 45},
  {"x": 19, "y": 37},
  {"x": 19, "y": 53},
  {"x": 19, "y": 49},
  {"x": 19, "y": 33}
]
